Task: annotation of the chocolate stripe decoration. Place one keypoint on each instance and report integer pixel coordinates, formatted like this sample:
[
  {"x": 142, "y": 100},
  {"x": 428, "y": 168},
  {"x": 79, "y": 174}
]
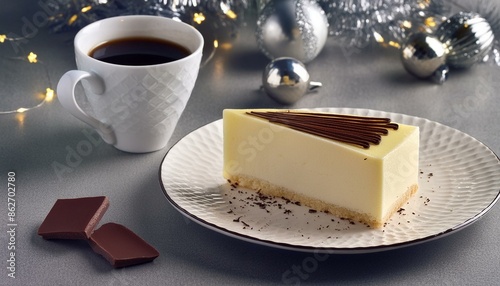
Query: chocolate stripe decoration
[{"x": 358, "y": 130}]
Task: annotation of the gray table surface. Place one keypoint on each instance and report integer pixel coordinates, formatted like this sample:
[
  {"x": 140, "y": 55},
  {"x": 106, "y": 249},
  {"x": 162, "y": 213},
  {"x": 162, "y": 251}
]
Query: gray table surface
[{"x": 189, "y": 253}]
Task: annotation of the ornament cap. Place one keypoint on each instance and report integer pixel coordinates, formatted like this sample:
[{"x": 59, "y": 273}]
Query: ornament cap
[
  {"x": 441, "y": 74},
  {"x": 314, "y": 85}
]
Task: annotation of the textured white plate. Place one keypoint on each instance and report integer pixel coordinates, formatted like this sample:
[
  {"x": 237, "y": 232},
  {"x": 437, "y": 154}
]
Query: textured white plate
[{"x": 459, "y": 182}]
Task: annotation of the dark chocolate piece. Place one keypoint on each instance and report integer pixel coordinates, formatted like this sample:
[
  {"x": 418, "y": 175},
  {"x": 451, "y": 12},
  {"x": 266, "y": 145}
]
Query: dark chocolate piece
[
  {"x": 73, "y": 218},
  {"x": 121, "y": 246}
]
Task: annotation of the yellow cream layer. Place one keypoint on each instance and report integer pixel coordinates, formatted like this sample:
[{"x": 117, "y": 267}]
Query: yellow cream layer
[{"x": 372, "y": 182}]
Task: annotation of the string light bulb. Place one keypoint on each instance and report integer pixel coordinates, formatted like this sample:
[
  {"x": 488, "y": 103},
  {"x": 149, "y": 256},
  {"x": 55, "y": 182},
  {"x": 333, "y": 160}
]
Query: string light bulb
[
  {"x": 47, "y": 97},
  {"x": 31, "y": 58},
  {"x": 49, "y": 94},
  {"x": 86, "y": 9},
  {"x": 198, "y": 18},
  {"x": 226, "y": 9}
]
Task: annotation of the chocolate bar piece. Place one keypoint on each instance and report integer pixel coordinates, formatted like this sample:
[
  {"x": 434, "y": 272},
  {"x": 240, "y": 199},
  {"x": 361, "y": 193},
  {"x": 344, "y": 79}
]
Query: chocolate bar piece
[
  {"x": 73, "y": 218},
  {"x": 120, "y": 246}
]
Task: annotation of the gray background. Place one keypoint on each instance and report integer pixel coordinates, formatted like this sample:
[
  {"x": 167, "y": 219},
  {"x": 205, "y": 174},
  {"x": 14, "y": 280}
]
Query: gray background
[{"x": 191, "y": 254}]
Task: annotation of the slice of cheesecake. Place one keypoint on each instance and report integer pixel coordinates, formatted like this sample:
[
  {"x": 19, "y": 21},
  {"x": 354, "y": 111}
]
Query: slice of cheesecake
[{"x": 360, "y": 168}]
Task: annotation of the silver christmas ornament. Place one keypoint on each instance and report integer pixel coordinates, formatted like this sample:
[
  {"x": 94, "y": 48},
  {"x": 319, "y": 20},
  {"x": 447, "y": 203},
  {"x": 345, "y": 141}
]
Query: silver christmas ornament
[
  {"x": 286, "y": 80},
  {"x": 423, "y": 55},
  {"x": 468, "y": 38},
  {"x": 292, "y": 28}
]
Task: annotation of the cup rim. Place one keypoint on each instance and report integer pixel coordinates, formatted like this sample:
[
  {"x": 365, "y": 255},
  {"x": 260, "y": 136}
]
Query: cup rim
[{"x": 81, "y": 32}]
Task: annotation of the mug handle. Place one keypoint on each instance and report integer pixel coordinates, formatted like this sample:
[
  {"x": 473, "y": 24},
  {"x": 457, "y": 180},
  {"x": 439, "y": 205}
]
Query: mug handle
[{"x": 66, "y": 95}]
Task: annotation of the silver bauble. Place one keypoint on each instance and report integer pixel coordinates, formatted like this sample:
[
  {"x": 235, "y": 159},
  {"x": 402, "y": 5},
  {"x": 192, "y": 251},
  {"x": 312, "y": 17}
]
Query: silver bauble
[
  {"x": 292, "y": 28},
  {"x": 468, "y": 38},
  {"x": 286, "y": 80},
  {"x": 422, "y": 55}
]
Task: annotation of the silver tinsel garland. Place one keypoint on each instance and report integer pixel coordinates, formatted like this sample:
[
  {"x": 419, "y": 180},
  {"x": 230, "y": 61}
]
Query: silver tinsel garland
[
  {"x": 75, "y": 14},
  {"x": 357, "y": 23},
  {"x": 352, "y": 23}
]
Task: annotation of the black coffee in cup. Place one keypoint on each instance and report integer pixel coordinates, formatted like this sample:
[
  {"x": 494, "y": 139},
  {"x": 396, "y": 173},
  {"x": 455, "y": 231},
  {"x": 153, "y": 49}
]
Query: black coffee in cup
[{"x": 139, "y": 51}]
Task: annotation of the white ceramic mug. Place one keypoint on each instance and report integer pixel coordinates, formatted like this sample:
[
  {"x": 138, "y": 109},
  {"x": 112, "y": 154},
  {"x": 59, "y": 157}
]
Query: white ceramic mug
[{"x": 134, "y": 108}]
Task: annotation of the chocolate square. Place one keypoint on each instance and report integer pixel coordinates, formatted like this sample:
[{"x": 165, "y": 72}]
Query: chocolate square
[
  {"x": 73, "y": 218},
  {"x": 121, "y": 246}
]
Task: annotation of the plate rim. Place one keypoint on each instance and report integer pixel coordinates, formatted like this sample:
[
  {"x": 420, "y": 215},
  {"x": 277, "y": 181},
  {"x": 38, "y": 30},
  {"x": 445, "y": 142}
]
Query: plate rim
[{"x": 329, "y": 250}]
